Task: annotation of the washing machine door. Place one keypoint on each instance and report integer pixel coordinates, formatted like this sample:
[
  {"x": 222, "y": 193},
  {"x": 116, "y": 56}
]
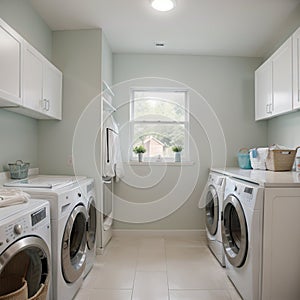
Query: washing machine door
[
  {"x": 234, "y": 232},
  {"x": 212, "y": 210},
  {"x": 91, "y": 224},
  {"x": 27, "y": 258},
  {"x": 73, "y": 249}
]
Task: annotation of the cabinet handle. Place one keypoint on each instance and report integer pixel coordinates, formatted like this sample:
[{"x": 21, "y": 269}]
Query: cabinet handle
[
  {"x": 44, "y": 104},
  {"x": 48, "y": 105},
  {"x": 271, "y": 108}
]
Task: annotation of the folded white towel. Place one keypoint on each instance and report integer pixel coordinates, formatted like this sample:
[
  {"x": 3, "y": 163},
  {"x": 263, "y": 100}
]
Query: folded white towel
[{"x": 10, "y": 197}]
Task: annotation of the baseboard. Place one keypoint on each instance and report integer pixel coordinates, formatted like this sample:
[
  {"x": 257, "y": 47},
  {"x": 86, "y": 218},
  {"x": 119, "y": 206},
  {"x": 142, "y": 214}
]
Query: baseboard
[{"x": 195, "y": 234}]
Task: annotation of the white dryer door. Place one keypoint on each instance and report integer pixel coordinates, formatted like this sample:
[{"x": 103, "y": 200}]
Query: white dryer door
[
  {"x": 212, "y": 210},
  {"x": 234, "y": 232},
  {"x": 73, "y": 249}
]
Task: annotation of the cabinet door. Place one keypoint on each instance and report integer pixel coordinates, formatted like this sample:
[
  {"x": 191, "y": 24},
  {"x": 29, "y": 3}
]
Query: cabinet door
[
  {"x": 263, "y": 91},
  {"x": 10, "y": 65},
  {"x": 53, "y": 90},
  {"x": 296, "y": 69},
  {"x": 33, "y": 80},
  {"x": 283, "y": 79}
]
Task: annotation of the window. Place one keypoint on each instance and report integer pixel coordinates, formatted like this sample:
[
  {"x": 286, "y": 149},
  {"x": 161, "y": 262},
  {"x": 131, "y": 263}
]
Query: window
[{"x": 159, "y": 120}]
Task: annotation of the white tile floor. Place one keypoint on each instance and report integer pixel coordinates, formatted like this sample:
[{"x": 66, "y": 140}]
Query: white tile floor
[{"x": 169, "y": 268}]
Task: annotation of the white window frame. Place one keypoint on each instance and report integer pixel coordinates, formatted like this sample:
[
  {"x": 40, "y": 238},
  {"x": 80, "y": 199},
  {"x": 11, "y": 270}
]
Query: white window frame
[{"x": 186, "y": 123}]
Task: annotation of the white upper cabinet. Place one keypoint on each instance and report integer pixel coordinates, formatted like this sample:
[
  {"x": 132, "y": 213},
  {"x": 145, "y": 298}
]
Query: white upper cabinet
[
  {"x": 33, "y": 80},
  {"x": 283, "y": 79},
  {"x": 29, "y": 83},
  {"x": 42, "y": 86},
  {"x": 274, "y": 84},
  {"x": 52, "y": 91},
  {"x": 296, "y": 69},
  {"x": 10, "y": 66},
  {"x": 263, "y": 91}
]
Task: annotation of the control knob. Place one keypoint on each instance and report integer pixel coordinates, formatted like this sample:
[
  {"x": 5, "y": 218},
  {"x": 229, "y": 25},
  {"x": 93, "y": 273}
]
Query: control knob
[{"x": 18, "y": 229}]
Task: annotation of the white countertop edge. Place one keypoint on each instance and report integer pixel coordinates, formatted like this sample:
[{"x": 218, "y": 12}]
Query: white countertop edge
[
  {"x": 155, "y": 163},
  {"x": 267, "y": 183},
  {"x": 5, "y": 176}
]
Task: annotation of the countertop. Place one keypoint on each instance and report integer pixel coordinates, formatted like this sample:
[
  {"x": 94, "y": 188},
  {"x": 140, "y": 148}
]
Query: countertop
[{"x": 263, "y": 178}]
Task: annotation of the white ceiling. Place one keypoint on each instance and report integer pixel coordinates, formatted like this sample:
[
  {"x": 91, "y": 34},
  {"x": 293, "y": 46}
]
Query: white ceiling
[{"x": 210, "y": 27}]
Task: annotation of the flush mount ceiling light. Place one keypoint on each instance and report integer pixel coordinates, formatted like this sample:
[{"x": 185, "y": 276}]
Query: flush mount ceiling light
[{"x": 163, "y": 5}]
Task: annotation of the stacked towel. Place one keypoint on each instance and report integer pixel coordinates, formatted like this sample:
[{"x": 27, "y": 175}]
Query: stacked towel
[{"x": 10, "y": 197}]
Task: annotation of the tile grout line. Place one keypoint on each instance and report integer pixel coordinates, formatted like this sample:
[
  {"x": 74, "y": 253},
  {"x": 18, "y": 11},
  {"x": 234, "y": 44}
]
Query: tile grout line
[
  {"x": 135, "y": 270},
  {"x": 165, "y": 250}
]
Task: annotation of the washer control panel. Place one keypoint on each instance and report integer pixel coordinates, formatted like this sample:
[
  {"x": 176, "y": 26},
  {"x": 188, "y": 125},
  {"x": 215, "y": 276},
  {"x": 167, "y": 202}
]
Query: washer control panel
[
  {"x": 245, "y": 192},
  {"x": 14, "y": 230},
  {"x": 22, "y": 224}
]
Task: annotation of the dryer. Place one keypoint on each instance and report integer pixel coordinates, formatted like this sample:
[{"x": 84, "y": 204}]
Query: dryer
[
  {"x": 213, "y": 214},
  {"x": 242, "y": 236},
  {"x": 88, "y": 189},
  {"x": 68, "y": 222},
  {"x": 273, "y": 233},
  {"x": 25, "y": 246}
]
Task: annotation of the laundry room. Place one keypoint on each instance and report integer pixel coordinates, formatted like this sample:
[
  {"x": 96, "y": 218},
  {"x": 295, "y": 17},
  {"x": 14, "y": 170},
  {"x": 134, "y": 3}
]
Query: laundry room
[{"x": 149, "y": 149}]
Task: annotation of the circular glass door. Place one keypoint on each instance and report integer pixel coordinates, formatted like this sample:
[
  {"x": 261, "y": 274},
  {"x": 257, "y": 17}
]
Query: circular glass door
[
  {"x": 234, "y": 232},
  {"x": 73, "y": 248},
  {"x": 28, "y": 259},
  {"x": 212, "y": 210},
  {"x": 91, "y": 224}
]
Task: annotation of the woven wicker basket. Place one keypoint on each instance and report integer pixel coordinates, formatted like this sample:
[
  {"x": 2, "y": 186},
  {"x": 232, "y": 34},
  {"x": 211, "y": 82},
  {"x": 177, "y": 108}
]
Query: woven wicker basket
[
  {"x": 281, "y": 160},
  {"x": 41, "y": 294},
  {"x": 13, "y": 288}
]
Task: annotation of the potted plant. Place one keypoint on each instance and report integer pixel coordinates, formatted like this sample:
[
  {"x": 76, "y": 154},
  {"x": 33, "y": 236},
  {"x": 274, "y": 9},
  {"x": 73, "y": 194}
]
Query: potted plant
[
  {"x": 177, "y": 150},
  {"x": 139, "y": 150}
]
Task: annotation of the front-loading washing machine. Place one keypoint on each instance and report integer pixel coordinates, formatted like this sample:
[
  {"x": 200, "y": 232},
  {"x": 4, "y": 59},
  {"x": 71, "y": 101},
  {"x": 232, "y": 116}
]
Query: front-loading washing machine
[
  {"x": 89, "y": 195},
  {"x": 25, "y": 248},
  {"x": 68, "y": 222},
  {"x": 242, "y": 236},
  {"x": 213, "y": 214}
]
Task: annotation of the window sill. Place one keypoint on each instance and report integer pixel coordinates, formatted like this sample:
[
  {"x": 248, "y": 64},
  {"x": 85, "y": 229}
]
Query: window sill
[{"x": 157, "y": 163}]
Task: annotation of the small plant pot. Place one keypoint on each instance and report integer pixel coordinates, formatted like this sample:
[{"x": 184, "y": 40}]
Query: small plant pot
[
  {"x": 140, "y": 157},
  {"x": 177, "y": 156}
]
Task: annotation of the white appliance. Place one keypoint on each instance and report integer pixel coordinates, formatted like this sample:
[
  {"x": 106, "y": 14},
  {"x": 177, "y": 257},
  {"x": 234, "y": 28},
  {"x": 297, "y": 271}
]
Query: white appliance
[
  {"x": 242, "y": 236},
  {"x": 25, "y": 244},
  {"x": 213, "y": 214},
  {"x": 68, "y": 222},
  {"x": 274, "y": 223},
  {"x": 88, "y": 189}
]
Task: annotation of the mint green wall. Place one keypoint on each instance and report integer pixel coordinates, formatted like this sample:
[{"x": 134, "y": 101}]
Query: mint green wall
[
  {"x": 107, "y": 61},
  {"x": 227, "y": 83},
  {"x": 77, "y": 53},
  {"x": 18, "y": 134},
  {"x": 285, "y": 130}
]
